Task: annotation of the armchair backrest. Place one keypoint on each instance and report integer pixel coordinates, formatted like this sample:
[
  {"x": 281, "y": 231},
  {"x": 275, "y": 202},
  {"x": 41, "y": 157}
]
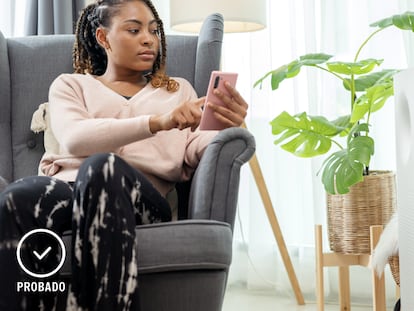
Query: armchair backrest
[{"x": 28, "y": 65}]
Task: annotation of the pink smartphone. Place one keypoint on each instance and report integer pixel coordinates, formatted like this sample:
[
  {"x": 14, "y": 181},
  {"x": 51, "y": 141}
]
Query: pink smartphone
[{"x": 217, "y": 79}]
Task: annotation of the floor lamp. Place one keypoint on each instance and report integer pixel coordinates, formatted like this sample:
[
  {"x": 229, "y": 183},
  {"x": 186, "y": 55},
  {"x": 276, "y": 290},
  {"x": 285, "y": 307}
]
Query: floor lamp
[{"x": 239, "y": 16}]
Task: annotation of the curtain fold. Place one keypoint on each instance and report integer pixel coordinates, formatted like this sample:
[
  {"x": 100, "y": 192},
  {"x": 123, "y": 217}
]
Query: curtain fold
[
  {"x": 45, "y": 17},
  {"x": 39, "y": 17}
]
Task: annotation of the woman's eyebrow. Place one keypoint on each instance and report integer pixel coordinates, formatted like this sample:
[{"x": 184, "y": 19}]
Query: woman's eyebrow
[{"x": 139, "y": 22}]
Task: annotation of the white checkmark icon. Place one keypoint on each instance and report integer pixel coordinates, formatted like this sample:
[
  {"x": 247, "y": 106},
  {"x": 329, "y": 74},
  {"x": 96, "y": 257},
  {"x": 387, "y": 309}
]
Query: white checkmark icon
[{"x": 42, "y": 255}]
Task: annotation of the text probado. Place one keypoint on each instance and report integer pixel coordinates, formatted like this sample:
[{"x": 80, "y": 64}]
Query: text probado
[{"x": 42, "y": 287}]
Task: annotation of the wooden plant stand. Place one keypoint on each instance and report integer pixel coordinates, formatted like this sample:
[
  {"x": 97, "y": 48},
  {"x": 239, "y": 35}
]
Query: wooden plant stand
[{"x": 343, "y": 261}]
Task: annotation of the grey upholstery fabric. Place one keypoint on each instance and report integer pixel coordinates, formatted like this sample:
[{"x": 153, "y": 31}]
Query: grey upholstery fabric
[
  {"x": 199, "y": 290},
  {"x": 183, "y": 265},
  {"x": 34, "y": 63},
  {"x": 3, "y": 183},
  {"x": 5, "y": 130},
  {"x": 163, "y": 237},
  {"x": 207, "y": 201},
  {"x": 208, "y": 51},
  {"x": 207, "y": 48}
]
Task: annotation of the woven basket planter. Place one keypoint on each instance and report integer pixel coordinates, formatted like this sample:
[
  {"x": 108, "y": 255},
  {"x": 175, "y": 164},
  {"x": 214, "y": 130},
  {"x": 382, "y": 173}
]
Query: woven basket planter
[{"x": 370, "y": 202}]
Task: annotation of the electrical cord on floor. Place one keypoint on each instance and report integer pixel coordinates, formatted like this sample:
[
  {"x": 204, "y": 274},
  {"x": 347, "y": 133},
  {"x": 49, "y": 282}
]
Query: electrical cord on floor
[{"x": 248, "y": 254}]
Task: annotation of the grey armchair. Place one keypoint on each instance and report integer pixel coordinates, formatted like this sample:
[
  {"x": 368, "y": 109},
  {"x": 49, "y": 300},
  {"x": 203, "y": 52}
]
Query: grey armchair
[{"x": 183, "y": 265}]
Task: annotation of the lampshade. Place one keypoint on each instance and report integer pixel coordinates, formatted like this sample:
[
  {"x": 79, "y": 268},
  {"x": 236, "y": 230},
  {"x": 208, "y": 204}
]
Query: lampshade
[{"x": 239, "y": 15}]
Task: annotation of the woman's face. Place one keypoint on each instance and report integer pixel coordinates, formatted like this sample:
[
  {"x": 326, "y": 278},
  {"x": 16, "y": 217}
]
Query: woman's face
[{"x": 132, "y": 38}]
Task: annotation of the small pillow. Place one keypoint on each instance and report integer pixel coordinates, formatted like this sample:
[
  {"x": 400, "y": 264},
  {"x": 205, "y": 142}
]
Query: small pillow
[{"x": 41, "y": 122}]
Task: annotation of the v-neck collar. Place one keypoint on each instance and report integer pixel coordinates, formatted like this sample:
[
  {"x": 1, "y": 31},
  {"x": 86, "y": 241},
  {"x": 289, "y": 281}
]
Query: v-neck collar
[{"x": 127, "y": 98}]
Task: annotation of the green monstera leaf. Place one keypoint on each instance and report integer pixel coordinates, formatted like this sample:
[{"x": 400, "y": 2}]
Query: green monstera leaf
[
  {"x": 403, "y": 21},
  {"x": 304, "y": 135},
  {"x": 345, "y": 167},
  {"x": 292, "y": 69},
  {"x": 366, "y": 81},
  {"x": 373, "y": 100},
  {"x": 358, "y": 68}
]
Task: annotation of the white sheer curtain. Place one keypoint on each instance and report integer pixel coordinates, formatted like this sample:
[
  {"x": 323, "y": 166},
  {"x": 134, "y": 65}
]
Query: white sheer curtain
[{"x": 296, "y": 27}]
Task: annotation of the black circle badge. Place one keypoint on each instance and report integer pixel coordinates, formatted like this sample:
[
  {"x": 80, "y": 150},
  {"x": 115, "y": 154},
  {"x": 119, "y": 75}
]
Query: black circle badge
[{"x": 41, "y": 253}]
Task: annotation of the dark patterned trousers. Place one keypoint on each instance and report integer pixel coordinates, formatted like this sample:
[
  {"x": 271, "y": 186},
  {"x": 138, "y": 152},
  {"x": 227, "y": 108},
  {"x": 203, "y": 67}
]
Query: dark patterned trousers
[{"x": 108, "y": 199}]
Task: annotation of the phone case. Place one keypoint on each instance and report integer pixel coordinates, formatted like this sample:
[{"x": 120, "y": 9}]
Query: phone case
[{"x": 217, "y": 79}]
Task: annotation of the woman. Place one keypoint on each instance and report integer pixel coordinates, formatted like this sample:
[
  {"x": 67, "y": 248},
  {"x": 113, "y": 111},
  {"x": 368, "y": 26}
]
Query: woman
[{"x": 127, "y": 134}]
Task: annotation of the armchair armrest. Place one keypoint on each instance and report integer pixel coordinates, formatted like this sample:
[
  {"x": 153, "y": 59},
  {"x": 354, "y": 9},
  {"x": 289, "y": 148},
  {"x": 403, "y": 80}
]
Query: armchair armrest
[{"x": 215, "y": 185}]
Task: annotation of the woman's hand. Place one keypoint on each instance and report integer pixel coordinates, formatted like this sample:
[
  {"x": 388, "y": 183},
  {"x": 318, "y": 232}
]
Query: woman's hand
[
  {"x": 235, "y": 109},
  {"x": 187, "y": 114}
]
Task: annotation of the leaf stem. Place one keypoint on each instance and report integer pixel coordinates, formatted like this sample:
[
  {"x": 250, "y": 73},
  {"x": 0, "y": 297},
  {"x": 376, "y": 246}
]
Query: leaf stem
[
  {"x": 352, "y": 78},
  {"x": 365, "y": 42},
  {"x": 335, "y": 74},
  {"x": 338, "y": 144},
  {"x": 352, "y": 86}
]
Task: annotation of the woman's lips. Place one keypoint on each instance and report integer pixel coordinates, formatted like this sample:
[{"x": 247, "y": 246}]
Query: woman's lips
[{"x": 147, "y": 55}]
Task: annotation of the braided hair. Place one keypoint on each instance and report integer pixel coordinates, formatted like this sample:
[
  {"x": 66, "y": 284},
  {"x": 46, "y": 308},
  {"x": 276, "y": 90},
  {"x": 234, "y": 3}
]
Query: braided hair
[{"x": 90, "y": 57}]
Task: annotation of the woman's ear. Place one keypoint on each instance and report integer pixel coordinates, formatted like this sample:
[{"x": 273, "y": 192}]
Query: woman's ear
[{"x": 102, "y": 39}]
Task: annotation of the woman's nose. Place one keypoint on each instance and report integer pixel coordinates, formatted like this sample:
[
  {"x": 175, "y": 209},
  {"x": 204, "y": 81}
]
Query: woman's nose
[{"x": 147, "y": 38}]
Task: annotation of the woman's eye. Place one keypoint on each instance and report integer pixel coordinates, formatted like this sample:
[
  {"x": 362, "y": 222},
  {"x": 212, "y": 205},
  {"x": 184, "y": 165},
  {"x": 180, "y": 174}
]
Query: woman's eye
[
  {"x": 133, "y": 30},
  {"x": 155, "y": 31}
]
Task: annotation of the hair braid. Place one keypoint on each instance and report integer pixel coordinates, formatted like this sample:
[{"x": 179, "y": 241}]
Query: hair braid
[
  {"x": 158, "y": 77},
  {"x": 90, "y": 57}
]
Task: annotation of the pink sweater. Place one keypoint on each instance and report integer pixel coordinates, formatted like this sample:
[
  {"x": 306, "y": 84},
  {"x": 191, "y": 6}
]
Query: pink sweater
[{"x": 87, "y": 118}]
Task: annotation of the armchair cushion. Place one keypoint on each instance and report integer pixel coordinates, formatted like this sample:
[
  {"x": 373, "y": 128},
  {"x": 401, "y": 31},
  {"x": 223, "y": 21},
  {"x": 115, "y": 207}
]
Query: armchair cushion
[{"x": 178, "y": 247}]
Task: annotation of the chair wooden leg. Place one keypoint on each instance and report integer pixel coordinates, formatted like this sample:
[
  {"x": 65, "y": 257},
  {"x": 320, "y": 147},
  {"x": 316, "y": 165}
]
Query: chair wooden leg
[{"x": 319, "y": 268}]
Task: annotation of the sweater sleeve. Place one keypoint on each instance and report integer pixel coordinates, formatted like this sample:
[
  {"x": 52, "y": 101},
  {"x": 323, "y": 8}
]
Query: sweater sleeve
[
  {"x": 81, "y": 134},
  {"x": 196, "y": 145},
  {"x": 197, "y": 142}
]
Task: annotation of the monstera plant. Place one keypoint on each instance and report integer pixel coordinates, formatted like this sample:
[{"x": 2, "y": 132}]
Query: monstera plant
[{"x": 348, "y": 136}]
